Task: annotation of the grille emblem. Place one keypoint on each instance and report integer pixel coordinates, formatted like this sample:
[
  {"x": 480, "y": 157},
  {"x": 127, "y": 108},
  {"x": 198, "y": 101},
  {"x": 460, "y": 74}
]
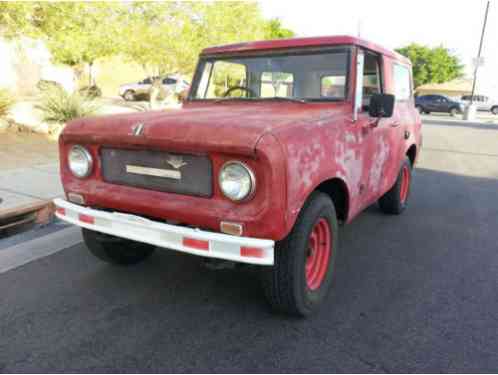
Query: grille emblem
[
  {"x": 175, "y": 161},
  {"x": 138, "y": 129}
]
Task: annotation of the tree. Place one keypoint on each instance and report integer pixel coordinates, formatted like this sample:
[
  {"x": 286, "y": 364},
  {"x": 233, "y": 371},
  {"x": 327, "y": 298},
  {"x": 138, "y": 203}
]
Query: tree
[
  {"x": 275, "y": 30},
  {"x": 432, "y": 65},
  {"x": 75, "y": 32},
  {"x": 163, "y": 37}
]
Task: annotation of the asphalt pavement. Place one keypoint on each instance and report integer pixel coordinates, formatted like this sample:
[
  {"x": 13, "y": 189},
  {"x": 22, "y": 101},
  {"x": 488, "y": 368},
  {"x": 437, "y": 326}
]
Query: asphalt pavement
[{"x": 413, "y": 293}]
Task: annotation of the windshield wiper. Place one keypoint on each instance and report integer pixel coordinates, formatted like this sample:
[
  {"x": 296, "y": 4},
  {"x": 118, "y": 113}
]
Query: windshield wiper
[
  {"x": 231, "y": 98},
  {"x": 288, "y": 98}
]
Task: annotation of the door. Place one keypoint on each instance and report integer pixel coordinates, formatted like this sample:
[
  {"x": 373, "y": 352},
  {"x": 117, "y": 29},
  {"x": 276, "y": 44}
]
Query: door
[
  {"x": 381, "y": 136},
  {"x": 432, "y": 103},
  {"x": 441, "y": 104},
  {"x": 144, "y": 86}
]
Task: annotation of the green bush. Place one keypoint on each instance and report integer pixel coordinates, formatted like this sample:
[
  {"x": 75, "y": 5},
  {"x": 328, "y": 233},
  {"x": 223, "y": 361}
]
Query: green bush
[
  {"x": 6, "y": 102},
  {"x": 58, "y": 106}
]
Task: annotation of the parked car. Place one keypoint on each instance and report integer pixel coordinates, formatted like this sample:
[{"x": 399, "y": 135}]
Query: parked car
[
  {"x": 438, "y": 103},
  {"x": 278, "y": 143},
  {"x": 483, "y": 103},
  {"x": 140, "y": 90}
]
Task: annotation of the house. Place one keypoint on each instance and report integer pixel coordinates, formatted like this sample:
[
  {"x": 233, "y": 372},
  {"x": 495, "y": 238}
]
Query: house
[{"x": 453, "y": 89}]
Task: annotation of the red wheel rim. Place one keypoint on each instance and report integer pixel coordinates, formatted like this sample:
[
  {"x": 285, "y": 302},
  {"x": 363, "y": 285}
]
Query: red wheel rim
[
  {"x": 405, "y": 184},
  {"x": 318, "y": 255}
]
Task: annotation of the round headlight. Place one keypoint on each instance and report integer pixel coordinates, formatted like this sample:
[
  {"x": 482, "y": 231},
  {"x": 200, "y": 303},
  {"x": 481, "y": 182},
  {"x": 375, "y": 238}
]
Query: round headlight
[
  {"x": 237, "y": 181},
  {"x": 80, "y": 161}
]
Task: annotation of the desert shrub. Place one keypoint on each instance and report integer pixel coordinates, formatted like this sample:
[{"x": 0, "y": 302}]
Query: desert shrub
[
  {"x": 59, "y": 106},
  {"x": 6, "y": 102}
]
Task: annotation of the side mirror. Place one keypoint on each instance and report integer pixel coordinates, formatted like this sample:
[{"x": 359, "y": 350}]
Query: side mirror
[{"x": 381, "y": 105}]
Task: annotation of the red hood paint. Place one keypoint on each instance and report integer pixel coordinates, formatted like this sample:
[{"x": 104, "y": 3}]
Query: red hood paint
[{"x": 220, "y": 127}]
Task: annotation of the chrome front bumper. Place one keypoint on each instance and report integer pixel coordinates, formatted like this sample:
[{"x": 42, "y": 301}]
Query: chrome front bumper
[{"x": 174, "y": 237}]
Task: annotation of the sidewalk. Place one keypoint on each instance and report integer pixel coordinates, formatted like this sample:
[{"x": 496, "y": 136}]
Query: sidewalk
[
  {"x": 483, "y": 120},
  {"x": 29, "y": 178}
]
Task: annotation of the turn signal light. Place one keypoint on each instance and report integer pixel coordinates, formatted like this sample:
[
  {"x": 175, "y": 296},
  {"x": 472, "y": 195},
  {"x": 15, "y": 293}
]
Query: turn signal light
[
  {"x": 76, "y": 198},
  {"x": 234, "y": 229}
]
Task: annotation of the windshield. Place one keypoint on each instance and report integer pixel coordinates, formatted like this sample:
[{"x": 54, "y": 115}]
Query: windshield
[{"x": 311, "y": 76}]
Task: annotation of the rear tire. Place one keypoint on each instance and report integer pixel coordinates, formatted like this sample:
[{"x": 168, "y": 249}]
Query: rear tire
[
  {"x": 302, "y": 276},
  {"x": 395, "y": 201},
  {"x": 116, "y": 250},
  {"x": 419, "y": 109}
]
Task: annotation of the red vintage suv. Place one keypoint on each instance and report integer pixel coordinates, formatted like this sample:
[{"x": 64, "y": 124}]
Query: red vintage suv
[{"x": 278, "y": 142}]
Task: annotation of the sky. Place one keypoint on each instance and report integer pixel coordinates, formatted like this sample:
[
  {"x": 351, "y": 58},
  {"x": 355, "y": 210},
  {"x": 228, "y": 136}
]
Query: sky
[{"x": 456, "y": 24}]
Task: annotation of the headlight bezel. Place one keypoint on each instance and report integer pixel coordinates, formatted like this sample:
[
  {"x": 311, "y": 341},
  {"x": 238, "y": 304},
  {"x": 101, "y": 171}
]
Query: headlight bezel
[
  {"x": 252, "y": 177},
  {"x": 89, "y": 159}
]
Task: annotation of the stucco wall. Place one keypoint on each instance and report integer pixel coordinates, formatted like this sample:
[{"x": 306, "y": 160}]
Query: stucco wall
[{"x": 25, "y": 62}]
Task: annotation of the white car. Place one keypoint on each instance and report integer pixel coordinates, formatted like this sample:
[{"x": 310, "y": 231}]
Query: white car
[
  {"x": 482, "y": 102},
  {"x": 140, "y": 90}
]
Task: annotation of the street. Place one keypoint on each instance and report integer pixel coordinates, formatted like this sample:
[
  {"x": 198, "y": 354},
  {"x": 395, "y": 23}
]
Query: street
[{"x": 413, "y": 293}]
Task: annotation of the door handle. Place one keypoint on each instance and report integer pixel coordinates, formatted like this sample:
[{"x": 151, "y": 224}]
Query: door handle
[{"x": 395, "y": 124}]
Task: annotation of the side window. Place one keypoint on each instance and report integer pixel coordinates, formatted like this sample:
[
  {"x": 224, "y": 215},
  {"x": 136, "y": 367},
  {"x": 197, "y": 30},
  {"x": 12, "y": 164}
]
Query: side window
[
  {"x": 169, "y": 81},
  {"x": 226, "y": 76},
  {"x": 372, "y": 83},
  {"x": 402, "y": 82},
  {"x": 276, "y": 84},
  {"x": 147, "y": 81}
]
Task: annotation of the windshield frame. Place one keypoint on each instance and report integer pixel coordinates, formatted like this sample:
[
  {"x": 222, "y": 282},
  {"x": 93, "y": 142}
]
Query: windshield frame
[{"x": 204, "y": 58}]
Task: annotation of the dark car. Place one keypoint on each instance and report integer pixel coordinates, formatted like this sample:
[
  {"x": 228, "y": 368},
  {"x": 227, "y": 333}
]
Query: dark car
[{"x": 437, "y": 103}]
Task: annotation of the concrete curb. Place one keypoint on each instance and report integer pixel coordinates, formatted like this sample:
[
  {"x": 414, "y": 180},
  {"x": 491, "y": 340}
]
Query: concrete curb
[{"x": 488, "y": 125}]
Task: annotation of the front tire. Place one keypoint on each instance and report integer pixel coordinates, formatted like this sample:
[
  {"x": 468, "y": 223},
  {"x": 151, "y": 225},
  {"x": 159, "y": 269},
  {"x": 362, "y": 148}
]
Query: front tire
[
  {"x": 116, "y": 250},
  {"x": 302, "y": 276},
  {"x": 395, "y": 201},
  {"x": 420, "y": 109},
  {"x": 454, "y": 111},
  {"x": 494, "y": 110}
]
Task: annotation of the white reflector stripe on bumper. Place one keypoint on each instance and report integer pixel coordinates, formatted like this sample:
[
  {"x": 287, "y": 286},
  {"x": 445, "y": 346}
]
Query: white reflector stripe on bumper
[{"x": 184, "y": 239}]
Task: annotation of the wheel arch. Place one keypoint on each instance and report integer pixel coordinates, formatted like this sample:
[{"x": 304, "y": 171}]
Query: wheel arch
[
  {"x": 338, "y": 191},
  {"x": 412, "y": 154}
]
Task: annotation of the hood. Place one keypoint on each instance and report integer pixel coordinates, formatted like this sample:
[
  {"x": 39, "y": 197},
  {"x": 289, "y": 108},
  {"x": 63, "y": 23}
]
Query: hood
[{"x": 220, "y": 127}]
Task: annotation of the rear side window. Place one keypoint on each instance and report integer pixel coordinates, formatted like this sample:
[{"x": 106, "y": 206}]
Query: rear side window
[
  {"x": 402, "y": 82},
  {"x": 277, "y": 84},
  {"x": 333, "y": 86}
]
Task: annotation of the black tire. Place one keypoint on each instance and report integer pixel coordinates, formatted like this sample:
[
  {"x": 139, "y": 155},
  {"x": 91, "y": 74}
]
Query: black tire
[
  {"x": 427, "y": 112},
  {"x": 494, "y": 110},
  {"x": 454, "y": 111},
  {"x": 395, "y": 201},
  {"x": 285, "y": 284},
  {"x": 419, "y": 109},
  {"x": 116, "y": 250},
  {"x": 129, "y": 95}
]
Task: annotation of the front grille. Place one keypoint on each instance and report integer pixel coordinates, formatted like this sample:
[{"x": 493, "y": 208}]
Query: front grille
[{"x": 189, "y": 174}]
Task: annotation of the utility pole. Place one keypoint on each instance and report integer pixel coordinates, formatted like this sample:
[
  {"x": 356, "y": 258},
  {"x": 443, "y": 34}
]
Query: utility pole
[{"x": 478, "y": 61}]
